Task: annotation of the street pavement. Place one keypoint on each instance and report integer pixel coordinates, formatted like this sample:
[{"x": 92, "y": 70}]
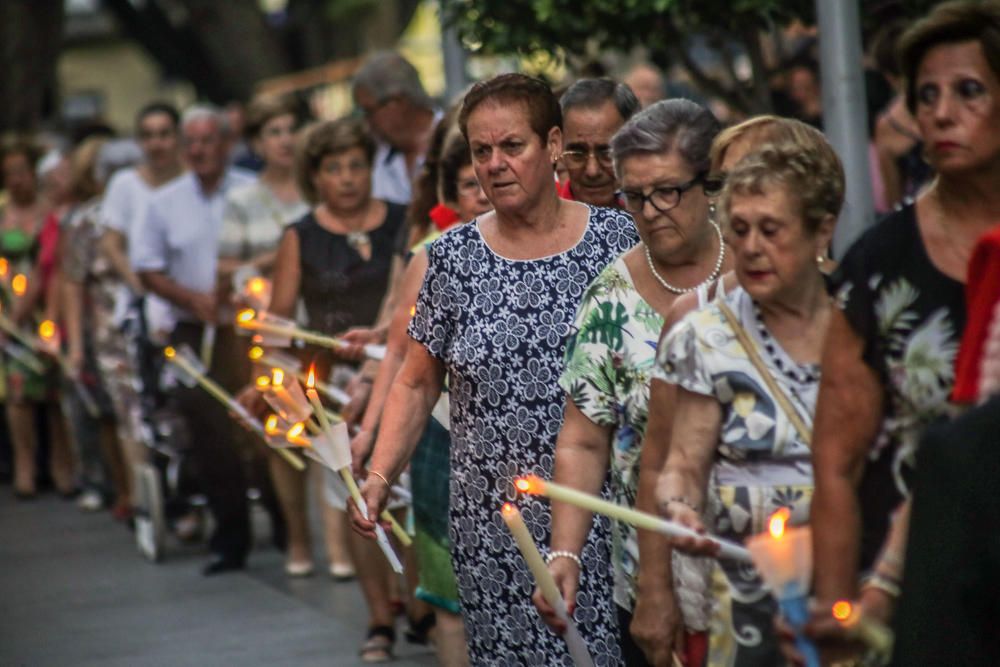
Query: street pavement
[{"x": 75, "y": 591}]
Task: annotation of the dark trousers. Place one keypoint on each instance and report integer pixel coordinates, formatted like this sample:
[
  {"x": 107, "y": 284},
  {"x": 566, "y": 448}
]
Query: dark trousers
[{"x": 215, "y": 442}]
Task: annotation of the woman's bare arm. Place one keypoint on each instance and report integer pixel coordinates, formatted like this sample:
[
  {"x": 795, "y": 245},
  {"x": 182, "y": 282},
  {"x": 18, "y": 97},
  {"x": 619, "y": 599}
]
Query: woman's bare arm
[{"x": 849, "y": 411}]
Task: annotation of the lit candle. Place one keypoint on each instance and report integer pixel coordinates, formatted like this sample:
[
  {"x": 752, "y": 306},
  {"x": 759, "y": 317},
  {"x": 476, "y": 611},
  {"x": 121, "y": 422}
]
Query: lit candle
[
  {"x": 345, "y": 456},
  {"x": 537, "y": 486},
  {"x": 292, "y": 408},
  {"x": 218, "y": 393},
  {"x": 874, "y": 634},
  {"x": 248, "y": 319},
  {"x": 783, "y": 556},
  {"x": 546, "y": 583},
  {"x": 19, "y": 284},
  {"x": 257, "y": 292},
  {"x": 4, "y": 268},
  {"x": 49, "y": 336},
  {"x": 48, "y": 343}
]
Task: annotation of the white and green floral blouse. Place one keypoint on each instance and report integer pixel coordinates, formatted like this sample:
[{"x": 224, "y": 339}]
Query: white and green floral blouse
[{"x": 609, "y": 358}]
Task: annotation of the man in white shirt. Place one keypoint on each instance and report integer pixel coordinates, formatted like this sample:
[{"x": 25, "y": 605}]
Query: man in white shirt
[
  {"x": 124, "y": 205},
  {"x": 175, "y": 252}
]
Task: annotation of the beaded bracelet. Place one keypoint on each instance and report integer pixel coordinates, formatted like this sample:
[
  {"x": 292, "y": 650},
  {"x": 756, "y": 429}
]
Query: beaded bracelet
[
  {"x": 882, "y": 583},
  {"x": 558, "y": 553}
]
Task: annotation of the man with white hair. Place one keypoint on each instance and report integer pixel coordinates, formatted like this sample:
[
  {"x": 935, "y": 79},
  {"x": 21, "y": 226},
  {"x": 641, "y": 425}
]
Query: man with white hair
[
  {"x": 175, "y": 257},
  {"x": 402, "y": 117}
]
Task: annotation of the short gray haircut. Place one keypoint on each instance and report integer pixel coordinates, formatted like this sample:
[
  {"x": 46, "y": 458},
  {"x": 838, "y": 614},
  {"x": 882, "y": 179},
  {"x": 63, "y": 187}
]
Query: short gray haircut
[
  {"x": 197, "y": 112},
  {"x": 387, "y": 74},
  {"x": 595, "y": 93},
  {"x": 667, "y": 126}
]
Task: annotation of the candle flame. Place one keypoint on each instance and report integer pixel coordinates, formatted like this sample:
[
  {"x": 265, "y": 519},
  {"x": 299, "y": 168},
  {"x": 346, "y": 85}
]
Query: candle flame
[
  {"x": 277, "y": 377},
  {"x": 842, "y": 610},
  {"x": 169, "y": 352},
  {"x": 528, "y": 484},
  {"x": 47, "y": 329},
  {"x": 296, "y": 430},
  {"x": 4, "y": 267},
  {"x": 245, "y": 315},
  {"x": 776, "y": 524},
  {"x": 256, "y": 352},
  {"x": 508, "y": 509},
  {"x": 413, "y": 310},
  {"x": 19, "y": 284},
  {"x": 256, "y": 286},
  {"x": 311, "y": 378},
  {"x": 271, "y": 424},
  {"x": 263, "y": 382}
]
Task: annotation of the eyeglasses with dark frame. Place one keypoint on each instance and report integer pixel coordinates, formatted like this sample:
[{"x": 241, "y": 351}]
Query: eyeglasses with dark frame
[
  {"x": 577, "y": 159},
  {"x": 663, "y": 199}
]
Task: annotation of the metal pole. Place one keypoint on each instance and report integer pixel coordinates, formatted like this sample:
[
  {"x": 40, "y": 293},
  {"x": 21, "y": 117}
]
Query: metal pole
[
  {"x": 845, "y": 116},
  {"x": 455, "y": 76}
]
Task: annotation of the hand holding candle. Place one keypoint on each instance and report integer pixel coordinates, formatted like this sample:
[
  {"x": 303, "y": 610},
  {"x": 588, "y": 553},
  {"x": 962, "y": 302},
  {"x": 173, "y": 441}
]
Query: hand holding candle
[
  {"x": 249, "y": 319},
  {"x": 181, "y": 359},
  {"x": 783, "y": 556},
  {"x": 526, "y": 544},
  {"x": 537, "y": 486},
  {"x": 874, "y": 634}
]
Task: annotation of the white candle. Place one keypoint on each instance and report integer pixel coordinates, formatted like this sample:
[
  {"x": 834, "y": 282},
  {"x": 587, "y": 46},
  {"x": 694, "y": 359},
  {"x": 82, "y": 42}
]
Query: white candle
[
  {"x": 535, "y": 485},
  {"x": 247, "y": 319},
  {"x": 543, "y": 577}
]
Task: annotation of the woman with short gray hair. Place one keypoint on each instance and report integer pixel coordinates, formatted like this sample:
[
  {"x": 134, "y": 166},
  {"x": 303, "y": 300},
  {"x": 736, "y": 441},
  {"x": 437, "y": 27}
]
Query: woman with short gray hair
[{"x": 661, "y": 159}]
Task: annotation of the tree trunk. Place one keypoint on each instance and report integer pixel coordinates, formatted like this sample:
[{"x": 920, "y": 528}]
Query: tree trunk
[{"x": 30, "y": 40}]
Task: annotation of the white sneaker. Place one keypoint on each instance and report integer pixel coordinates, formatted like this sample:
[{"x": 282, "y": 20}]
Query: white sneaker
[{"x": 90, "y": 501}]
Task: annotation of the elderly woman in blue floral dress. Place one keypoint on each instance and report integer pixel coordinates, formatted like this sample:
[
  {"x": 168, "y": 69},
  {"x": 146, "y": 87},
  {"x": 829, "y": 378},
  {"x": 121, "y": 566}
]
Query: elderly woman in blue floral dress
[{"x": 494, "y": 311}]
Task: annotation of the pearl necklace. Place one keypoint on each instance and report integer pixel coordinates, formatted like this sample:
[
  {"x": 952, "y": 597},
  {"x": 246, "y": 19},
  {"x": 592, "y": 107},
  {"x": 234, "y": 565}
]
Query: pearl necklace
[{"x": 684, "y": 290}]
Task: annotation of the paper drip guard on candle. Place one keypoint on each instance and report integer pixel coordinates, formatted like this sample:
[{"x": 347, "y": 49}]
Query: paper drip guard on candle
[
  {"x": 783, "y": 557},
  {"x": 189, "y": 372},
  {"x": 287, "y": 399},
  {"x": 546, "y": 583},
  {"x": 875, "y": 635},
  {"x": 537, "y": 486},
  {"x": 292, "y": 366}
]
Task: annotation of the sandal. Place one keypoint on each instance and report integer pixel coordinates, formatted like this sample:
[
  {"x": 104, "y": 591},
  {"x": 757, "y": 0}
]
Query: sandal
[
  {"x": 378, "y": 645},
  {"x": 419, "y": 631}
]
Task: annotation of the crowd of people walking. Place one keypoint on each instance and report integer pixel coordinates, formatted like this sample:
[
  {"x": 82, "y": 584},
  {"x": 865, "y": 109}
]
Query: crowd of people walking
[{"x": 623, "y": 295}]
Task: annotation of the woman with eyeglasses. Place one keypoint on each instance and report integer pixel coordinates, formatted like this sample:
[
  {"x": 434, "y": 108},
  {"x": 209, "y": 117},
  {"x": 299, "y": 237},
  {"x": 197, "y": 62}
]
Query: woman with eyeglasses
[{"x": 661, "y": 157}]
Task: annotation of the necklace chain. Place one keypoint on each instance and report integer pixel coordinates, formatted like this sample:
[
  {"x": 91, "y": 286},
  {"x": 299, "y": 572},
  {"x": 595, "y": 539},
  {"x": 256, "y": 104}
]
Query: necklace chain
[{"x": 712, "y": 276}]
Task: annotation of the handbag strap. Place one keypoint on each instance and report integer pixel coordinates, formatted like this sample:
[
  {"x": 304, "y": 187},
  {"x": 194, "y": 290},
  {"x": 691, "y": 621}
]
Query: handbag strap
[{"x": 748, "y": 346}]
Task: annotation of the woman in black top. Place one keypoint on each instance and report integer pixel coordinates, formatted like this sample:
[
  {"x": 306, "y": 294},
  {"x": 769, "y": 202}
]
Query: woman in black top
[
  {"x": 888, "y": 366},
  {"x": 337, "y": 260}
]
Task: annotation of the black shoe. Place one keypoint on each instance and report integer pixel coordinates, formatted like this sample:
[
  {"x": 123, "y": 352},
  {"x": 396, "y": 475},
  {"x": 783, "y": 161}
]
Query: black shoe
[{"x": 222, "y": 564}]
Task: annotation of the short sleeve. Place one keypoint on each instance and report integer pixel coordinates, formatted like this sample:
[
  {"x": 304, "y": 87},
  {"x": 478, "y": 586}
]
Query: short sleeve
[
  {"x": 432, "y": 323},
  {"x": 150, "y": 241},
  {"x": 589, "y": 375},
  {"x": 114, "y": 206},
  {"x": 854, "y": 288},
  {"x": 681, "y": 360}
]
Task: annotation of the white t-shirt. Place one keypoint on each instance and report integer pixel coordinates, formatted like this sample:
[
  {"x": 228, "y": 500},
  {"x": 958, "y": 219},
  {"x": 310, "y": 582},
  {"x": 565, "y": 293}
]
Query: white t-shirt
[{"x": 123, "y": 209}]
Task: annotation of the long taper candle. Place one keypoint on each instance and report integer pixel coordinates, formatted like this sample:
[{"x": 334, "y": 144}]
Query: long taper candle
[
  {"x": 223, "y": 397},
  {"x": 247, "y": 319},
  {"x": 537, "y": 486},
  {"x": 546, "y": 583}
]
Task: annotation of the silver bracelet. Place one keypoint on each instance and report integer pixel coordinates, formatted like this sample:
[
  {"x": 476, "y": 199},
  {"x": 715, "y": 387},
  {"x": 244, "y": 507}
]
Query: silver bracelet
[{"x": 558, "y": 553}]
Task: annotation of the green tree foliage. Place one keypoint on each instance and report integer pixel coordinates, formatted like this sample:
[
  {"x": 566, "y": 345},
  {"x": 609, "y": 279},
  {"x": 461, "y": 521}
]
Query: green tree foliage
[{"x": 666, "y": 28}]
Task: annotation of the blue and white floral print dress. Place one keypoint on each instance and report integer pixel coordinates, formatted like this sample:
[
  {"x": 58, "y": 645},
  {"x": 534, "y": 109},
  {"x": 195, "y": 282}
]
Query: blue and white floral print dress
[{"x": 499, "y": 326}]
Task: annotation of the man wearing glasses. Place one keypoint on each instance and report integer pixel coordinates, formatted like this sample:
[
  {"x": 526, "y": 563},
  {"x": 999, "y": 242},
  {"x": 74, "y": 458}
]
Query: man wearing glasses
[{"x": 593, "y": 110}]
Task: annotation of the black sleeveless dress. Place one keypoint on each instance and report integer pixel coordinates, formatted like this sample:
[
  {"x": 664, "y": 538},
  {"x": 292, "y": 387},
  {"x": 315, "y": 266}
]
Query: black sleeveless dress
[{"x": 339, "y": 288}]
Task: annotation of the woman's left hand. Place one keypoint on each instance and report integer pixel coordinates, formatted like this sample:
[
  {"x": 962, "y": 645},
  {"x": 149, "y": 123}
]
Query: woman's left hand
[{"x": 833, "y": 640}]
